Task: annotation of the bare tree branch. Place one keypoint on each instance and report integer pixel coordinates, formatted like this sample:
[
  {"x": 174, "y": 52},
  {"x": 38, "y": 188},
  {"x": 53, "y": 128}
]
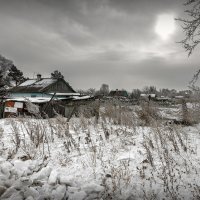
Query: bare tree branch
[{"x": 191, "y": 26}]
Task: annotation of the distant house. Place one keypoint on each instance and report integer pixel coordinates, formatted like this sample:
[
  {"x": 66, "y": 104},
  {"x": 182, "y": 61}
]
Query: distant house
[
  {"x": 179, "y": 97},
  {"x": 148, "y": 96},
  {"x": 42, "y": 87},
  {"x": 118, "y": 93}
]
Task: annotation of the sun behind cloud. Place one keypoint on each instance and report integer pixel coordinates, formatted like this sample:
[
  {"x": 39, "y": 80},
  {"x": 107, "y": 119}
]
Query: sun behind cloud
[{"x": 165, "y": 26}]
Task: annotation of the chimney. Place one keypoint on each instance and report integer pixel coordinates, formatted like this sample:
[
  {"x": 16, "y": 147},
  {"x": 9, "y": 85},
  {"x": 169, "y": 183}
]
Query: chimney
[{"x": 39, "y": 77}]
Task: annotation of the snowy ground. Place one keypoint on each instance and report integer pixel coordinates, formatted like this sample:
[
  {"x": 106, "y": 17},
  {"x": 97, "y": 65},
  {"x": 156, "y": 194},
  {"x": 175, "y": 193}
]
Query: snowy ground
[{"x": 83, "y": 159}]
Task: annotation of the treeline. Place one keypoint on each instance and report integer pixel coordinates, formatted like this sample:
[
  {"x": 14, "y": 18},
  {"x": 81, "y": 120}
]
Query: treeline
[
  {"x": 136, "y": 93},
  {"x": 11, "y": 76}
]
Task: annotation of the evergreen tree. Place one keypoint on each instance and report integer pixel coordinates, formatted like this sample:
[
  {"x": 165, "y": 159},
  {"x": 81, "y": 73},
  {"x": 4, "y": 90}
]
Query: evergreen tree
[
  {"x": 2, "y": 85},
  {"x": 5, "y": 64},
  {"x": 4, "y": 79},
  {"x": 16, "y": 75},
  {"x": 8, "y": 73},
  {"x": 1, "y": 79}
]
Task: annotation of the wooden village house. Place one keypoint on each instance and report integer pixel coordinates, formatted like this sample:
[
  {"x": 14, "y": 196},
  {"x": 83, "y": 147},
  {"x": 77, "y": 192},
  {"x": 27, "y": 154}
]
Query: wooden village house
[
  {"x": 52, "y": 96},
  {"x": 42, "y": 87}
]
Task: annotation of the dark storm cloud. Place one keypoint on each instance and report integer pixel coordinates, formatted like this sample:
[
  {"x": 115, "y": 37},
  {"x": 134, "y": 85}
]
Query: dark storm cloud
[{"x": 90, "y": 40}]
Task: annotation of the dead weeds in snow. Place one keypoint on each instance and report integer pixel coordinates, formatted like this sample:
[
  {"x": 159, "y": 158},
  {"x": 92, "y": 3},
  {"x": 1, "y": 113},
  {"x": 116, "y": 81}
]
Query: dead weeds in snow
[{"x": 164, "y": 168}]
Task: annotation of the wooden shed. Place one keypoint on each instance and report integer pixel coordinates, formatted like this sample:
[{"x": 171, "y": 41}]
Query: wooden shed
[{"x": 34, "y": 106}]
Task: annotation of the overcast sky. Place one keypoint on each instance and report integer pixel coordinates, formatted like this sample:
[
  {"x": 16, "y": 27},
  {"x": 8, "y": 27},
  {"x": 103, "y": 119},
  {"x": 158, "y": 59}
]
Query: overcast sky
[{"x": 124, "y": 43}]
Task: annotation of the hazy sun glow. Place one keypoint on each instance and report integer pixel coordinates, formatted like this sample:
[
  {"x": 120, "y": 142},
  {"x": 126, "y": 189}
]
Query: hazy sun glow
[{"x": 165, "y": 26}]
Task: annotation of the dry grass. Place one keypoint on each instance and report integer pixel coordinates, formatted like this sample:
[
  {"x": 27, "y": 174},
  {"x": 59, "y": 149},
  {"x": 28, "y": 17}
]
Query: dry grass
[
  {"x": 167, "y": 163},
  {"x": 147, "y": 113}
]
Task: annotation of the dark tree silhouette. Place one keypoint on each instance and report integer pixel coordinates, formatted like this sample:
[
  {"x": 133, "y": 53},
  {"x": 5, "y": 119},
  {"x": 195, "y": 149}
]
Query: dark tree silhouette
[
  {"x": 8, "y": 73},
  {"x": 104, "y": 90},
  {"x": 3, "y": 82},
  {"x": 57, "y": 74},
  {"x": 16, "y": 75},
  {"x": 5, "y": 64},
  {"x": 1, "y": 79},
  {"x": 135, "y": 94}
]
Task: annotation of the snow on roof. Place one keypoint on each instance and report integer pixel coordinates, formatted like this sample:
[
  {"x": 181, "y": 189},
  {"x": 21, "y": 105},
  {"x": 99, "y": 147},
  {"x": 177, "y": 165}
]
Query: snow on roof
[
  {"x": 46, "y": 99},
  {"x": 44, "y": 82},
  {"x": 163, "y": 98},
  {"x": 82, "y": 98},
  {"x": 65, "y": 94},
  {"x": 33, "y": 85},
  {"x": 152, "y": 95},
  {"x": 179, "y": 97},
  {"x": 34, "y": 99},
  {"x": 147, "y": 95},
  {"x": 28, "y": 82}
]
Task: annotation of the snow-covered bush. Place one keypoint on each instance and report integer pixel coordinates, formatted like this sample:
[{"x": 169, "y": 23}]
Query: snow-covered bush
[{"x": 33, "y": 109}]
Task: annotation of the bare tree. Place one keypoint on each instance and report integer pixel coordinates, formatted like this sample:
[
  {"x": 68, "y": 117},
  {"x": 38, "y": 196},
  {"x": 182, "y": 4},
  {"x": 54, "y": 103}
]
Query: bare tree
[
  {"x": 104, "y": 90},
  {"x": 135, "y": 94},
  {"x": 191, "y": 25},
  {"x": 191, "y": 28},
  {"x": 150, "y": 89},
  {"x": 91, "y": 91}
]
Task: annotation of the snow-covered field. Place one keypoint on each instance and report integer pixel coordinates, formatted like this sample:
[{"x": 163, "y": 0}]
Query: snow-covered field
[{"x": 86, "y": 159}]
